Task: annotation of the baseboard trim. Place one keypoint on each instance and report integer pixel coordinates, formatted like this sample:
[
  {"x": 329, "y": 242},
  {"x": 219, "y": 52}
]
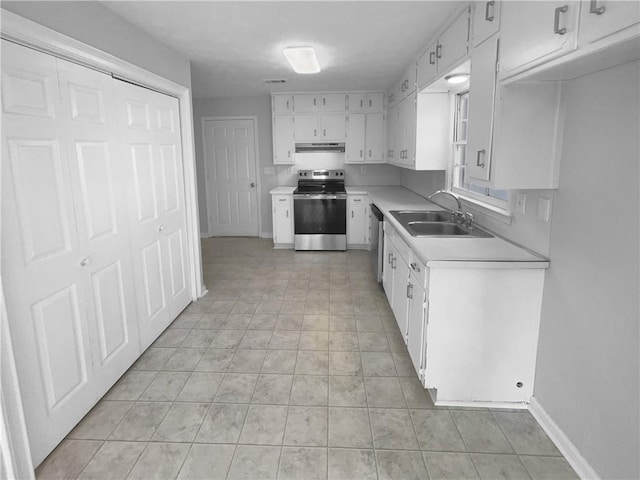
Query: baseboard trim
[
  {"x": 266, "y": 235},
  {"x": 566, "y": 446}
]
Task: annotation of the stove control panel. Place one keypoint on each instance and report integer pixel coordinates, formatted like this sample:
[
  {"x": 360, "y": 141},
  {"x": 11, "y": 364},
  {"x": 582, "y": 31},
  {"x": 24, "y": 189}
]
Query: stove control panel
[{"x": 321, "y": 174}]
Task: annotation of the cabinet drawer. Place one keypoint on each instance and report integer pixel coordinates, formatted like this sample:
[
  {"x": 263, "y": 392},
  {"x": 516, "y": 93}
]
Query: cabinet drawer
[
  {"x": 358, "y": 199},
  {"x": 282, "y": 200}
]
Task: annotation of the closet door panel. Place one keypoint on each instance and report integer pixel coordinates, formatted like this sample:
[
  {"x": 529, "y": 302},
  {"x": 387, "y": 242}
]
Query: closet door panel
[
  {"x": 99, "y": 190},
  {"x": 45, "y": 294},
  {"x": 152, "y": 146}
]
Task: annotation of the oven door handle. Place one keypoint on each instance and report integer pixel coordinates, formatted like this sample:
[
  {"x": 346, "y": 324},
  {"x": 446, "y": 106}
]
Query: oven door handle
[{"x": 319, "y": 197}]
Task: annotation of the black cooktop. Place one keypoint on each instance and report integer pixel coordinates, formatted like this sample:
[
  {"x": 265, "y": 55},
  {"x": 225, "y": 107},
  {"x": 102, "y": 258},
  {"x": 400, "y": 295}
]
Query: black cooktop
[{"x": 320, "y": 181}]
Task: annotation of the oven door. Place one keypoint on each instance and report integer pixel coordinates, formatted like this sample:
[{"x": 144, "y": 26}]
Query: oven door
[{"x": 320, "y": 221}]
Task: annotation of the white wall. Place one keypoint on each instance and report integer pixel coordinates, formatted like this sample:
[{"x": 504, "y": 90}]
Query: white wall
[
  {"x": 95, "y": 25},
  {"x": 587, "y": 376}
]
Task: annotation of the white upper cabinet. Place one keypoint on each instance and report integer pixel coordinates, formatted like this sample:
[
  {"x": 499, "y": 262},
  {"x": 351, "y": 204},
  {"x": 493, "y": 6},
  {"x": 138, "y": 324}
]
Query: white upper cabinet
[
  {"x": 392, "y": 133},
  {"x": 600, "y": 19},
  {"x": 453, "y": 44},
  {"x": 366, "y": 102},
  {"x": 355, "y": 145},
  {"x": 282, "y": 103},
  {"x": 306, "y": 103},
  {"x": 283, "y": 140},
  {"x": 306, "y": 128},
  {"x": 374, "y": 134},
  {"x": 332, "y": 126},
  {"x": 534, "y": 32},
  {"x": 443, "y": 54},
  {"x": 314, "y": 103},
  {"x": 481, "y": 106},
  {"x": 486, "y": 20}
]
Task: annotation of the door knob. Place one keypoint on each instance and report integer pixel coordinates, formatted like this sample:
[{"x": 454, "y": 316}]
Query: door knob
[
  {"x": 161, "y": 228},
  {"x": 252, "y": 185},
  {"x": 85, "y": 261}
]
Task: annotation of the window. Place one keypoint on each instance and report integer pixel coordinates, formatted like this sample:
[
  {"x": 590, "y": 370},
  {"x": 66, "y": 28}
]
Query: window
[{"x": 460, "y": 184}]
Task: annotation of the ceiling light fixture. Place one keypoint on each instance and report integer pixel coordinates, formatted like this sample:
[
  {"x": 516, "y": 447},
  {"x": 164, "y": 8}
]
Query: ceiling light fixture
[
  {"x": 302, "y": 59},
  {"x": 457, "y": 78}
]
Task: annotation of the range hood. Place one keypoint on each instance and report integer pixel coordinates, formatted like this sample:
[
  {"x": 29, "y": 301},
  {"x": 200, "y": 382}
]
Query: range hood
[{"x": 319, "y": 147}]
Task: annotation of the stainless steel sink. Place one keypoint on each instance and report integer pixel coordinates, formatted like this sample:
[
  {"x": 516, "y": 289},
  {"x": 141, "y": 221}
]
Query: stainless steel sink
[
  {"x": 435, "y": 224},
  {"x": 443, "y": 229},
  {"x": 404, "y": 216}
]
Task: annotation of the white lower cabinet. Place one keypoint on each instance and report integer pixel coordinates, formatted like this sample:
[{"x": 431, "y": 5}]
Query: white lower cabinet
[
  {"x": 282, "y": 221},
  {"x": 471, "y": 328},
  {"x": 94, "y": 243},
  {"x": 358, "y": 221}
]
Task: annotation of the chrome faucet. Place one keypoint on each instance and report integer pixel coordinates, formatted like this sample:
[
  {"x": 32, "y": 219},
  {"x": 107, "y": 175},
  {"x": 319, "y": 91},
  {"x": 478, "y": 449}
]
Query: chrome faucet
[{"x": 459, "y": 216}]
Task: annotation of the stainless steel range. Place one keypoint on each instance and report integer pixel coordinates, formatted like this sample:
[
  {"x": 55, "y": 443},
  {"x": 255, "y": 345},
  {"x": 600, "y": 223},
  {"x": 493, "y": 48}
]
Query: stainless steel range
[{"x": 320, "y": 210}]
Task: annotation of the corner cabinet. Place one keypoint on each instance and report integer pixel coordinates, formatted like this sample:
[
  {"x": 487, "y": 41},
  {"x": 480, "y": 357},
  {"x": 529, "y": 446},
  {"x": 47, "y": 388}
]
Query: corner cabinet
[
  {"x": 471, "y": 328},
  {"x": 282, "y": 220},
  {"x": 358, "y": 231}
]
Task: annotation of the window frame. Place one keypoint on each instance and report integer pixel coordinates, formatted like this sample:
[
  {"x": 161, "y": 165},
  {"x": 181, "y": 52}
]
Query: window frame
[{"x": 493, "y": 204}]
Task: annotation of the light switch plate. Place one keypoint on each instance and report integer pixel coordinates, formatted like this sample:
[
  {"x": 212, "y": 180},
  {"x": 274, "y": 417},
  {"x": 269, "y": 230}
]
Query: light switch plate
[
  {"x": 290, "y": 171},
  {"x": 521, "y": 202},
  {"x": 544, "y": 209}
]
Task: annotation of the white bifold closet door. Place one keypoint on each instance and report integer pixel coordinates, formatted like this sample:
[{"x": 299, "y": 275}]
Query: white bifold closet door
[
  {"x": 150, "y": 131},
  {"x": 80, "y": 264}
]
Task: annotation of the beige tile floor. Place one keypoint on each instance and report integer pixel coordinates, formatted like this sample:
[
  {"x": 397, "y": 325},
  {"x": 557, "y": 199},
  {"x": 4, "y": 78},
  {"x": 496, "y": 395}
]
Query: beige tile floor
[{"x": 291, "y": 367}]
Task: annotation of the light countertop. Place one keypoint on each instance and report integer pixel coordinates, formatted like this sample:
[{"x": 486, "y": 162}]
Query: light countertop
[
  {"x": 282, "y": 190},
  {"x": 434, "y": 251}
]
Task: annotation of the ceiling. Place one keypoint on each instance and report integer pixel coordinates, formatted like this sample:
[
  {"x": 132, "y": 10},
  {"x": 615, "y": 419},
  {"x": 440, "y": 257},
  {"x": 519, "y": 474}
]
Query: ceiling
[{"x": 234, "y": 46}]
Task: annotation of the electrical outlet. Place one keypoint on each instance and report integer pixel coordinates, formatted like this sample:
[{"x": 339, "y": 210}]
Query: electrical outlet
[
  {"x": 544, "y": 209},
  {"x": 521, "y": 202},
  {"x": 363, "y": 170},
  {"x": 269, "y": 170},
  {"x": 290, "y": 171}
]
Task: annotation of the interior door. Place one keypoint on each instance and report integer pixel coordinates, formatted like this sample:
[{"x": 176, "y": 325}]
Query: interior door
[
  {"x": 150, "y": 133},
  {"x": 230, "y": 159}
]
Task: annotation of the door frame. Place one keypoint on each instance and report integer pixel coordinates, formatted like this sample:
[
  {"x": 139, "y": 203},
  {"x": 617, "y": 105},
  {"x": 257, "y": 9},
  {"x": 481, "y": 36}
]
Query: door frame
[
  {"x": 254, "y": 119},
  {"x": 30, "y": 34}
]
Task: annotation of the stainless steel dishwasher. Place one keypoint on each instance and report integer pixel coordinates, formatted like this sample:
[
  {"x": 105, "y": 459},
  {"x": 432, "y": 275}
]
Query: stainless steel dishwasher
[{"x": 377, "y": 241}]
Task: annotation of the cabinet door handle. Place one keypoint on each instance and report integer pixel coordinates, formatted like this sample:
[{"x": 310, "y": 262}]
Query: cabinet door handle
[
  {"x": 315, "y": 132},
  {"x": 287, "y": 107},
  {"x": 314, "y": 102},
  {"x": 370, "y": 103},
  {"x": 390, "y": 257},
  {"x": 556, "y": 20},
  {"x": 439, "y": 51},
  {"x": 324, "y": 132},
  {"x": 432, "y": 58},
  {"x": 360, "y": 153},
  {"x": 409, "y": 291},
  {"x": 85, "y": 261},
  {"x": 415, "y": 267},
  {"x": 324, "y": 101},
  {"x": 393, "y": 263},
  {"x": 478, "y": 155},
  {"x": 489, "y": 6},
  {"x": 369, "y": 153},
  {"x": 288, "y": 153},
  {"x": 160, "y": 228},
  {"x": 286, "y": 213},
  {"x": 282, "y": 199},
  {"x": 593, "y": 8},
  {"x": 352, "y": 213}
]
